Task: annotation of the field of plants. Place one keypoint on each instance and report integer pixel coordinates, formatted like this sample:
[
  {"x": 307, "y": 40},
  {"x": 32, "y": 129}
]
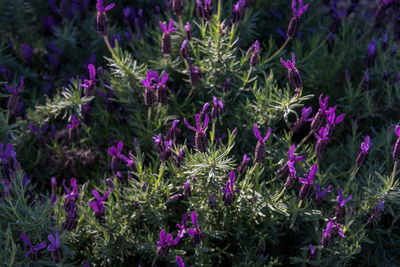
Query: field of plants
[{"x": 199, "y": 133}]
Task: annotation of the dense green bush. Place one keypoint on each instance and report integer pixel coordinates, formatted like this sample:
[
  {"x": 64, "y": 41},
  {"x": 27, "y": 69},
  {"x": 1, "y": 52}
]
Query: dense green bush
[{"x": 139, "y": 145}]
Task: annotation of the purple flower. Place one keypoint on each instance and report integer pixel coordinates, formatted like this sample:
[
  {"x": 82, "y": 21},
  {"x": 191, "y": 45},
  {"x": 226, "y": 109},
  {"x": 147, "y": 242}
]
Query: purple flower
[
  {"x": 173, "y": 132},
  {"x": 179, "y": 158},
  {"x": 116, "y": 153},
  {"x": 293, "y": 74},
  {"x": 201, "y": 141},
  {"x": 292, "y": 160},
  {"x": 189, "y": 33},
  {"x": 396, "y": 147},
  {"x": 301, "y": 9},
  {"x": 183, "y": 227},
  {"x": 100, "y": 6},
  {"x": 186, "y": 191},
  {"x": 26, "y": 53},
  {"x": 166, "y": 37},
  {"x": 53, "y": 184},
  {"x": 34, "y": 251},
  {"x": 332, "y": 121},
  {"x": 307, "y": 183},
  {"x": 320, "y": 194},
  {"x": 370, "y": 60},
  {"x": 54, "y": 247},
  {"x": 229, "y": 191},
  {"x": 363, "y": 155},
  {"x": 73, "y": 132},
  {"x": 311, "y": 254},
  {"x": 179, "y": 261},
  {"x": 98, "y": 205},
  {"x": 254, "y": 56},
  {"x": 340, "y": 211},
  {"x": 13, "y": 101},
  {"x": 195, "y": 75},
  {"x": 71, "y": 194},
  {"x": 299, "y": 124},
  {"x": 165, "y": 243},
  {"x": 71, "y": 218},
  {"x": 90, "y": 84},
  {"x": 217, "y": 108},
  {"x": 260, "y": 147},
  {"x": 196, "y": 233},
  {"x": 238, "y": 11},
  {"x": 374, "y": 216},
  {"x": 320, "y": 118},
  {"x": 332, "y": 229},
  {"x": 243, "y": 165},
  {"x": 322, "y": 140}
]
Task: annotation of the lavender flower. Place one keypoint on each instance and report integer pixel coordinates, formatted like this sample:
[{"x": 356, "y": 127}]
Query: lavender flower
[
  {"x": 238, "y": 11},
  {"x": 370, "y": 60},
  {"x": 195, "y": 75},
  {"x": 374, "y": 216},
  {"x": 179, "y": 158},
  {"x": 186, "y": 191},
  {"x": 332, "y": 229},
  {"x": 363, "y": 155},
  {"x": 149, "y": 96},
  {"x": 116, "y": 154},
  {"x": 254, "y": 55},
  {"x": 183, "y": 52},
  {"x": 260, "y": 147},
  {"x": 217, "y": 108},
  {"x": 293, "y": 74},
  {"x": 101, "y": 19},
  {"x": 13, "y": 101},
  {"x": 53, "y": 184},
  {"x": 9, "y": 163},
  {"x": 34, "y": 251},
  {"x": 54, "y": 247},
  {"x": 97, "y": 205},
  {"x": 196, "y": 233},
  {"x": 380, "y": 12},
  {"x": 229, "y": 191},
  {"x": 332, "y": 121},
  {"x": 189, "y": 33},
  {"x": 319, "y": 119},
  {"x": 177, "y": 7},
  {"x": 162, "y": 90},
  {"x": 292, "y": 178},
  {"x": 243, "y": 165},
  {"x": 396, "y": 147},
  {"x": 201, "y": 141},
  {"x": 340, "y": 210},
  {"x": 165, "y": 243},
  {"x": 166, "y": 38},
  {"x": 27, "y": 53},
  {"x": 174, "y": 132},
  {"x": 295, "y": 20},
  {"x": 71, "y": 218},
  {"x": 299, "y": 124},
  {"x": 73, "y": 132},
  {"x": 90, "y": 84},
  {"x": 179, "y": 262},
  {"x": 320, "y": 194},
  {"x": 203, "y": 112},
  {"x": 335, "y": 23},
  {"x": 322, "y": 141},
  {"x": 183, "y": 227},
  {"x": 284, "y": 170},
  {"x": 311, "y": 254},
  {"x": 307, "y": 183},
  {"x": 204, "y": 11},
  {"x": 227, "y": 85},
  {"x": 71, "y": 194}
]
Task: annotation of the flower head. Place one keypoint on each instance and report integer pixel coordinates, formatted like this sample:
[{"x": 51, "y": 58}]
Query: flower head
[
  {"x": 71, "y": 194},
  {"x": 33, "y": 251},
  {"x": 301, "y": 9},
  {"x": 310, "y": 176},
  {"x": 340, "y": 198},
  {"x": 98, "y": 205},
  {"x": 258, "y": 135},
  {"x": 321, "y": 193},
  {"x": 183, "y": 227},
  {"x": 100, "y": 6},
  {"x": 332, "y": 120},
  {"x": 229, "y": 190},
  {"x": 15, "y": 90},
  {"x": 289, "y": 64},
  {"x": 198, "y": 126},
  {"x": 74, "y": 123},
  {"x": 366, "y": 145},
  {"x": 179, "y": 262},
  {"x": 165, "y": 243},
  {"x": 54, "y": 242},
  {"x": 196, "y": 233},
  {"x": 169, "y": 29}
]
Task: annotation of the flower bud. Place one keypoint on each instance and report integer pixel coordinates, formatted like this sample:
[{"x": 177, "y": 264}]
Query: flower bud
[
  {"x": 149, "y": 97},
  {"x": 201, "y": 141},
  {"x": 101, "y": 24},
  {"x": 291, "y": 181},
  {"x": 305, "y": 191},
  {"x": 260, "y": 152},
  {"x": 293, "y": 27}
]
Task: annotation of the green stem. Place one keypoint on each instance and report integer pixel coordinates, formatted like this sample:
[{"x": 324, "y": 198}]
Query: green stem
[
  {"x": 393, "y": 173},
  {"x": 353, "y": 174},
  {"x": 304, "y": 139},
  {"x": 247, "y": 77},
  {"x": 316, "y": 49},
  {"x": 110, "y": 49},
  {"x": 219, "y": 12},
  {"x": 213, "y": 132},
  {"x": 252, "y": 169},
  {"x": 281, "y": 194},
  {"x": 300, "y": 203},
  {"x": 279, "y": 51}
]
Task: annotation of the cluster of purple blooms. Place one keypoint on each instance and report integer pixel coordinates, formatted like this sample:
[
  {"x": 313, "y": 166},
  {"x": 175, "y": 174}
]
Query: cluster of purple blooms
[{"x": 154, "y": 82}]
